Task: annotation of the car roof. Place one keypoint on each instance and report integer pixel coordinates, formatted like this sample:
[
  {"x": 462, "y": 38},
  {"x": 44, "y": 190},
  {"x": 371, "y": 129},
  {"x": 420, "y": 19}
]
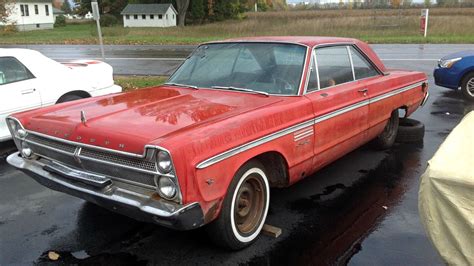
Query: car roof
[{"x": 303, "y": 40}]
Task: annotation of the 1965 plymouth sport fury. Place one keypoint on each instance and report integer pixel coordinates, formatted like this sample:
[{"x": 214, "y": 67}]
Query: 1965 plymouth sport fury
[{"x": 236, "y": 118}]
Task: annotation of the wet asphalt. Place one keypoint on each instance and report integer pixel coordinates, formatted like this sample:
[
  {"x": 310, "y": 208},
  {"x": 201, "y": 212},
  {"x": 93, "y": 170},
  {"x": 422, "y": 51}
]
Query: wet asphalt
[{"x": 360, "y": 210}]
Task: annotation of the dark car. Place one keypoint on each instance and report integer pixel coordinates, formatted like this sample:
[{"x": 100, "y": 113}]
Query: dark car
[{"x": 457, "y": 70}]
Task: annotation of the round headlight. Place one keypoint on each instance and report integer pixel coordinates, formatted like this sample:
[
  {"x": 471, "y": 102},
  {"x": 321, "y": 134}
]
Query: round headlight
[
  {"x": 167, "y": 187},
  {"x": 164, "y": 162},
  {"x": 25, "y": 150}
]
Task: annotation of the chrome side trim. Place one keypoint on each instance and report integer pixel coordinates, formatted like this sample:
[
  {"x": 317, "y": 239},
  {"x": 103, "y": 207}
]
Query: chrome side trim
[
  {"x": 252, "y": 144},
  {"x": 395, "y": 92},
  {"x": 234, "y": 151},
  {"x": 343, "y": 110}
]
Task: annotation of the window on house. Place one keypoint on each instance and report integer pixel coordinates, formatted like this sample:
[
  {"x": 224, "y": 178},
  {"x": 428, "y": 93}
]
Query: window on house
[
  {"x": 173, "y": 16},
  {"x": 166, "y": 16},
  {"x": 46, "y": 9},
  {"x": 22, "y": 8},
  {"x": 37, "y": 26},
  {"x": 160, "y": 16},
  {"x": 135, "y": 16},
  {"x": 127, "y": 16},
  {"x": 27, "y": 11},
  {"x": 36, "y": 10},
  {"x": 152, "y": 17},
  {"x": 143, "y": 16}
]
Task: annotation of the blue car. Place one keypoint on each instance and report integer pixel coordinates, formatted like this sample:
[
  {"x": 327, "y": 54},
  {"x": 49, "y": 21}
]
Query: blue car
[{"x": 457, "y": 70}]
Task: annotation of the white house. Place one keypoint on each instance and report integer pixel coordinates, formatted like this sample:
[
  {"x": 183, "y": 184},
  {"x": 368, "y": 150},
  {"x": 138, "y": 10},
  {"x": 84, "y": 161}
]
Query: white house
[
  {"x": 31, "y": 14},
  {"x": 149, "y": 15}
]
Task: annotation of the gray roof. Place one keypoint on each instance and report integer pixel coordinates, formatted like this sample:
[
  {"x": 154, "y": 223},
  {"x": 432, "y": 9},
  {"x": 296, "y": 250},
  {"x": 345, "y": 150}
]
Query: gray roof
[{"x": 132, "y": 9}]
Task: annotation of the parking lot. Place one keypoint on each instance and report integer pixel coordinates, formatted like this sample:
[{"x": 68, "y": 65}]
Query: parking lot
[{"x": 360, "y": 210}]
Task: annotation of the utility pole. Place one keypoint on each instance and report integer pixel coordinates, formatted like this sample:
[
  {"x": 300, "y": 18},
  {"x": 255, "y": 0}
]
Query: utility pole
[{"x": 96, "y": 15}]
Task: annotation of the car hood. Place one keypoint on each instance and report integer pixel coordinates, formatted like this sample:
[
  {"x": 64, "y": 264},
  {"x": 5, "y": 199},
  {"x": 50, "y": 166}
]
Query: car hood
[
  {"x": 458, "y": 54},
  {"x": 128, "y": 121}
]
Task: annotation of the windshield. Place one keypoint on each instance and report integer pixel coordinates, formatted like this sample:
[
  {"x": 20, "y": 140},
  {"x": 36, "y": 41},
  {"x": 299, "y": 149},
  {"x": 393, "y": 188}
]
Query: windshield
[{"x": 273, "y": 68}]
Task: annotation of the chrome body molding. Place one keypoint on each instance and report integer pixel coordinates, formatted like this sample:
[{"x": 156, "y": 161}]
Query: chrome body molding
[
  {"x": 292, "y": 129},
  {"x": 252, "y": 144}
]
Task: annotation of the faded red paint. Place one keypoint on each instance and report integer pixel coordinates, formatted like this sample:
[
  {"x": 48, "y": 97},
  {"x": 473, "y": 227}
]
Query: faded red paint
[{"x": 195, "y": 125}]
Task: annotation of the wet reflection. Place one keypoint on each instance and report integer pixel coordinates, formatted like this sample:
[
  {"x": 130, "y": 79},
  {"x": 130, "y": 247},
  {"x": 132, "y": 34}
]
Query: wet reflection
[
  {"x": 340, "y": 217},
  {"x": 139, "y": 97}
]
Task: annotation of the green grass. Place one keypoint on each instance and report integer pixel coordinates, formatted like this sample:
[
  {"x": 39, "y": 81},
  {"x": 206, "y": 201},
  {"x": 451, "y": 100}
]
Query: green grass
[
  {"x": 446, "y": 25},
  {"x": 130, "y": 83}
]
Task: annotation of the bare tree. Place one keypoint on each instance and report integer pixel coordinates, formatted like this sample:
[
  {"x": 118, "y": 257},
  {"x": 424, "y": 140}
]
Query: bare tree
[
  {"x": 182, "y": 6},
  {"x": 5, "y": 9}
]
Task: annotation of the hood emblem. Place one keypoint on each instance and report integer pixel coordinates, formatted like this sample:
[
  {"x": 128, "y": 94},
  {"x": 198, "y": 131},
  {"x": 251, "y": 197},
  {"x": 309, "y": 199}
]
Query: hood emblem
[{"x": 83, "y": 117}]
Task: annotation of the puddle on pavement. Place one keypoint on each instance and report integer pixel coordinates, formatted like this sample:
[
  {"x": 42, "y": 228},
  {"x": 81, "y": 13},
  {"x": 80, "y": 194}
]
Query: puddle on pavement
[{"x": 338, "y": 219}]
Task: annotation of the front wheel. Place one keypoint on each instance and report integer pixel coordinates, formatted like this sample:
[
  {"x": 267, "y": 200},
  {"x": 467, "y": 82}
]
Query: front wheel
[
  {"x": 244, "y": 209},
  {"x": 467, "y": 86}
]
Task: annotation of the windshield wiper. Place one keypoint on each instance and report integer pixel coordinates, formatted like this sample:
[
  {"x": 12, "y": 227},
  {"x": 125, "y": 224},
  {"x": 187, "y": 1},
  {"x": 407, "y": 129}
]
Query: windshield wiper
[
  {"x": 181, "y": 85},
  {"x": 239, "y": 89}
]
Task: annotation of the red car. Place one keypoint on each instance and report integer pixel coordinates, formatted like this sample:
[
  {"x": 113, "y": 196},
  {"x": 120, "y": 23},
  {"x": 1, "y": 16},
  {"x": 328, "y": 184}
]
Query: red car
[{"x": 236, "y": 118}]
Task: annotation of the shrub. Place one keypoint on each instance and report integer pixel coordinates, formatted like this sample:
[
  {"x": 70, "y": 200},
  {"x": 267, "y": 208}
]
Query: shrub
[
  {"x": 108, "y": 20},
  {"x": 60, "y": 21},
  {"x": 9, "y": 28}
]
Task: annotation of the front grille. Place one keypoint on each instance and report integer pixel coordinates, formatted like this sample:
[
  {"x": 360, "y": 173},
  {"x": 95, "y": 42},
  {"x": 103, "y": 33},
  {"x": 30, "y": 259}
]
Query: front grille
[
  {"x": 118, "y": 159},
  {"x": 136, "y": 170}
]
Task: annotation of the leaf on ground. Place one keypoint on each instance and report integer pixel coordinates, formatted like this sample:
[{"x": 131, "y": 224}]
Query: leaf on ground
[{"x": 53, "y": 255}]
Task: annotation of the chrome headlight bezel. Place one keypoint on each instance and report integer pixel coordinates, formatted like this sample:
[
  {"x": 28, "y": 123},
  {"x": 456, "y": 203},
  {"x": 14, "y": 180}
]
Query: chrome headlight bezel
[
  {"x": 166, "y": 170},
  {"x": 17, "y": 131},
  {"x": 448, "y": 63}
]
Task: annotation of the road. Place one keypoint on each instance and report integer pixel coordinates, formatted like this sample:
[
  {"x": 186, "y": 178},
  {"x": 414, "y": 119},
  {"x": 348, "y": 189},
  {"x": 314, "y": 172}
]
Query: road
[
  {"x": 163, "y": 59},
  {"x": 359, "y": 210}
]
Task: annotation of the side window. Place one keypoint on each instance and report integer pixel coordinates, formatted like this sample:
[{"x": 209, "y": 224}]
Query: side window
[
  {"x": 313, "y": 78},
  {"x": 334, "y": 66},
  {"x": 362, "y": 68},
  {"x": 11, "y": 70}
]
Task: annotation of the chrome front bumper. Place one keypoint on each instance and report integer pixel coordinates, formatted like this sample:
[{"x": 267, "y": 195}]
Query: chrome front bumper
[{"x": 138, "y": 203}]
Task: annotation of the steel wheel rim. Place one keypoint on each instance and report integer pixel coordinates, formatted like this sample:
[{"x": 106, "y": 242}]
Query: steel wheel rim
[
  {"x": 249, "y": 205},
  {"x": 470, "y": 87}
]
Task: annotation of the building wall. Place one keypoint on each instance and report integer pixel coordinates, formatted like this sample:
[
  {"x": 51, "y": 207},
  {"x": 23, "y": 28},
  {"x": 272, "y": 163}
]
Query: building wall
[
  {"x": 147, "y": 22},
  {"x": 31, "y": 21}
]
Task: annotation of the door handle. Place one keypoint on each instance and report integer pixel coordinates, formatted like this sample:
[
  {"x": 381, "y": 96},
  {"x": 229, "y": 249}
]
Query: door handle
[
  {"x": 364, "y": 91},
  {"x": 28, "y": 91}
]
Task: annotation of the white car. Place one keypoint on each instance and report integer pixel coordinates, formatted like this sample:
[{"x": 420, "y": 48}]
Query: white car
[{"x": 28, "y": 80}]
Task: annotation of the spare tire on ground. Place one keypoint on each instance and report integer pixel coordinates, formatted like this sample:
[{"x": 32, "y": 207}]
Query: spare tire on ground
[{"x": 410, "y": 131}]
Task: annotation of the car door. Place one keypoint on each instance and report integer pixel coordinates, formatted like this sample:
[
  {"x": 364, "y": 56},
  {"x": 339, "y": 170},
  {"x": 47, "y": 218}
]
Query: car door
[
  {"x": 340, "y": 104},
  {"x": 17, "y": 91}
]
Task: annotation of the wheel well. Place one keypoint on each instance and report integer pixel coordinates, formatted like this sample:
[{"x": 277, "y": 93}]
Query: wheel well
[
  {"x": 463, "y": 76},
  {"x": 276, "y": 168},
  {"x": 404, "y": 111},
  {"x": 81, "y": 94}
]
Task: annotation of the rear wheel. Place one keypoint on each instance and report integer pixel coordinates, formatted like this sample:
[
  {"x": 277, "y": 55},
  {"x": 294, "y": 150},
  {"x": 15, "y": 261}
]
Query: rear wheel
[
  {"x": 244, "y": 209},
  {"x": 467, "y": 86},
  {"x": 386, "y": 139}
]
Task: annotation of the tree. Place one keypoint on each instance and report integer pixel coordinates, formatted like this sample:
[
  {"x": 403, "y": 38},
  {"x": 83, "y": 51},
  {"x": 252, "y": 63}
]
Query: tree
[
  {"x": 197, "y": 10},
  {"x": 5, "y": 9},
  {"x": 66, "y": 7},
  {"x": 182, "y": 6}
]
